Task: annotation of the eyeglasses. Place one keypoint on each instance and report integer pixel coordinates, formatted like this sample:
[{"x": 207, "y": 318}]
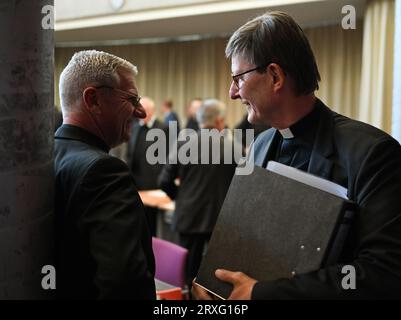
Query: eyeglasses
[
  {"x": 132, "y": 98},
  {"x": 236, "y": 77}
]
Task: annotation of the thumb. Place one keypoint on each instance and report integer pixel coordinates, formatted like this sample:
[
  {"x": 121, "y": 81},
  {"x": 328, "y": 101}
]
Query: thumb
[{"x": 225, "y": 275}]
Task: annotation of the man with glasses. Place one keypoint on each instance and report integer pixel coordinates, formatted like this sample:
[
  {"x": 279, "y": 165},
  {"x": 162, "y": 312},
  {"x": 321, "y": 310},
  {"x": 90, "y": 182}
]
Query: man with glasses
[
  {"x": 275, "y": 76},
  {"x": 103, "y": 248}
]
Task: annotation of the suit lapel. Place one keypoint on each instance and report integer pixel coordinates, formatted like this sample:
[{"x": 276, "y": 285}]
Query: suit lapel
[
  {"x": 319, "y": 163},
  {"x": 263, "y": 147},
  {"x": 270, "y": 148}
]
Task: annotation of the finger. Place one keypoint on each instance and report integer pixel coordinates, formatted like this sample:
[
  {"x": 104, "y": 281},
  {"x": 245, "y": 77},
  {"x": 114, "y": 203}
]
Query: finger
[{"x": 225, "y": 275}]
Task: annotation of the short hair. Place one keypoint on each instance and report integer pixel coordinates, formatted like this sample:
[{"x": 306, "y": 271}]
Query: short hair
[
  {"x": 275, "y": 37},
  {"x": 210, "y": 111},
  {"x": 168, "y": 103},
  {"x": 91, "y": 68}
]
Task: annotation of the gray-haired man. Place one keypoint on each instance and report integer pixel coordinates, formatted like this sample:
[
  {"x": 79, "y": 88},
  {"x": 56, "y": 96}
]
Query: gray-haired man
[{"x": 103, "y": 244}]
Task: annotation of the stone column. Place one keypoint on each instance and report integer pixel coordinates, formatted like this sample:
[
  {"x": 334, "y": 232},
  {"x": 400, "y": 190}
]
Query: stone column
[{"x": 26, "y": 148}]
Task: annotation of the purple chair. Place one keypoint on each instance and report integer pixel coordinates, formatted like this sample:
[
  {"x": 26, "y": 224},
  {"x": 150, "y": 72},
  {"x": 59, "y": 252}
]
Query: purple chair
[{"x": 170, "y": 262}]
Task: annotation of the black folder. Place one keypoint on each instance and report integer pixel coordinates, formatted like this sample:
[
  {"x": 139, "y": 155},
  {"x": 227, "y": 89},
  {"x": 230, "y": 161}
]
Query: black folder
[{"x": 273, "y": 227}]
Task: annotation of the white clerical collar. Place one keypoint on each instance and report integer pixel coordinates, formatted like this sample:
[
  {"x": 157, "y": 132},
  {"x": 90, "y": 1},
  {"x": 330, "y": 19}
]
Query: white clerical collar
[{"x": 286, "y": 133}]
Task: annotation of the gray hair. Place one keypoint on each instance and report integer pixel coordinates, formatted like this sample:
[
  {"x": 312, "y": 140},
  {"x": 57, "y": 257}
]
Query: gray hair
[
  {"x": 90, "y": 68},
  {"x": 275, "y": 37},
  {"x": 210, "y": 111}
]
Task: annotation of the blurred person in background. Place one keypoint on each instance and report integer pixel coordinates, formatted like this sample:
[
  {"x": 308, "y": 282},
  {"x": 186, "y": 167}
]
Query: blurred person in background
[
  {"x": 145, "y": 174},
  {"x": 202, "y": 188},
  {"x": 192, "y": 122},
  {"x": 169, "y": 114}
]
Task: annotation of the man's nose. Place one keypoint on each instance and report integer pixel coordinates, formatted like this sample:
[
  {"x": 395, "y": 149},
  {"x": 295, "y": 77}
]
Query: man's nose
[
  {"x": 234, "y": 92},
  {"x": 139, "y": 111}
]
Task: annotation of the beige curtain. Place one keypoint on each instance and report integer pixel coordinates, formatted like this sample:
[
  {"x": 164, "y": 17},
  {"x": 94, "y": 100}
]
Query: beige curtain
[
  {"x": 183, "y": 70},
  {"x": 338, "y": 56},
  {"x": 377, "y": 65}
]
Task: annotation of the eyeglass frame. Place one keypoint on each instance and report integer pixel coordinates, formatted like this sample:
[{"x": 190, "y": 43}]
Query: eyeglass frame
[
  {"x": 236, "y": 76},
  {"x": 134, "y": 99}
]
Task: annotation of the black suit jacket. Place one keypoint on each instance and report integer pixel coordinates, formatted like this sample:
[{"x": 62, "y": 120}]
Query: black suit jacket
[
  {"x": 367, "y": 161},
  {"x": 145, "y": 174},
  {"x": 202, "y": 189},
  {"x": 192, "y": 123},
  {"x": 104, "y": 248}
]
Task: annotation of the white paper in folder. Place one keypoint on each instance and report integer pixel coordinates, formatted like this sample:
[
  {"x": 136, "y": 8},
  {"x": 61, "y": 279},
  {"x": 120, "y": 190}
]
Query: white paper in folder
[{"x": 307, "y": 178}]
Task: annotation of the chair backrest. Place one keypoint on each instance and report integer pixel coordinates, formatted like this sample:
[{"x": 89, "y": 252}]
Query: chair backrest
[{"x": 170, "y": 262}]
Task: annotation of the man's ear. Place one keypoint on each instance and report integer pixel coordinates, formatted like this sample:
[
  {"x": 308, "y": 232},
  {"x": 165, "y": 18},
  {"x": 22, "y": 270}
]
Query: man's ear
[
  {"x": 90, "y": 98},
  {"x": 278, "y": 76}
]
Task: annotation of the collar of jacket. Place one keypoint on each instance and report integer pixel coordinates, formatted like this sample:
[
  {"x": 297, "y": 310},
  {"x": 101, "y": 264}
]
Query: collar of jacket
[
  {"x": 70, "y": 132},
  {"x": 319, "y": 163}
]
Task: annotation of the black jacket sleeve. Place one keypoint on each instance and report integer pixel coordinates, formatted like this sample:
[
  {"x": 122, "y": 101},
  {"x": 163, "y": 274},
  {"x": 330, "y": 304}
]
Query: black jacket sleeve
[{"x": 166, "y": 180}]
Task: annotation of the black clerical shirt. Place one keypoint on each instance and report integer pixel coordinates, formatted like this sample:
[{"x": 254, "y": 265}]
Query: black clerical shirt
[{"x": 296, "y": 151}]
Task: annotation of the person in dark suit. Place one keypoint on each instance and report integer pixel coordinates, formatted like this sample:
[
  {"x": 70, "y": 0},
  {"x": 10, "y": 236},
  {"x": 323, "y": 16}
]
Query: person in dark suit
[
  {"x": 104, "y": 248},
  {"x": 169, "y": 114},
  {"x": 203, "y": 185},
  {"x": 192, "y": 122},
  {"x": 277, "y": 82},
  {"x": 144, "y": 173}
]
